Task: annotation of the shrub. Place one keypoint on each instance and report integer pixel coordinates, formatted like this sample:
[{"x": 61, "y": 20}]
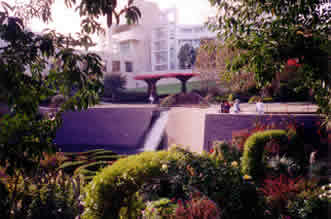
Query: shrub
[
  {"x": 4, "y": 201},
  {"x": 168, "y": 101},
  {"x": 252, "y": 160},
  {"x": 225, "y": 152},
  {"x": 279, "y": 190},
  {"x": 113, "y": 83},
  {"x": 197, "y": 207},
  {"x": 310, "y": 203},
  {"x": 170, "y": 174},
  {"x": 93, "y": 159},
  {"x": 46, "y": 195},
  {"x": 162, "y": 208}
]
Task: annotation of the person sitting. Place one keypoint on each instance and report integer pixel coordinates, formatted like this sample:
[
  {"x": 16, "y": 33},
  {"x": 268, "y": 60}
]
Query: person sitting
[
  {"x": 236, "y": 107},
  {"x": 259, "y": 106},
  {"x": 226, "y": 107}
]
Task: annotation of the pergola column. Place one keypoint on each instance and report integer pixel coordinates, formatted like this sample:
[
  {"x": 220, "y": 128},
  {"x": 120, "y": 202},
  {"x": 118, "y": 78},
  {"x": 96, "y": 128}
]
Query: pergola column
[
  {"x": 151, "y": 89},
  {"x": 183, "y": 80}
]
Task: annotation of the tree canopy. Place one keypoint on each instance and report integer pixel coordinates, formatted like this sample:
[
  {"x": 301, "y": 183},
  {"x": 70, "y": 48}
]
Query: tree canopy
[
  {"x": 186, "y": 56},
  {"x": 35, "y": 67},
  {"x": 273, "y": 31}
]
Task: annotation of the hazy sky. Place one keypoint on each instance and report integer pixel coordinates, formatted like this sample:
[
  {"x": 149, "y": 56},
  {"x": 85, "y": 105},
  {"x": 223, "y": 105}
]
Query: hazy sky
[{"x": 190, "y": 12}]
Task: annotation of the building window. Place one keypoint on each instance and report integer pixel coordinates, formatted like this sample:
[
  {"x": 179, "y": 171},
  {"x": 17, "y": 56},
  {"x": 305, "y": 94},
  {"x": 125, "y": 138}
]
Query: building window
[
  {"x": 116, "y": 66},
  {"x": 161, "y": 67},
  {"x": 161, "y": 57},
  {"x": 186, "y": 30},
  {"x": 125, "y": 48},
  {"x": 128, "y": 67},
  {"x": 115, "y": 48}
]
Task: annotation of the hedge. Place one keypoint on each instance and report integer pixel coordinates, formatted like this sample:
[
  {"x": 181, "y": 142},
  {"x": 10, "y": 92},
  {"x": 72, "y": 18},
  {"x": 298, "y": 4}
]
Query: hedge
[
  {"x": 252, "y": 159},
  {"x": 113, "y": 188},
  {"x": 105, "y": 194}
]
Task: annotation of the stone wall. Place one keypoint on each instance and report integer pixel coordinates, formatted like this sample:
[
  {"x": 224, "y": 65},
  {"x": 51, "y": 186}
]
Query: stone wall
[
  {"x": 221, "y": 126},
  {"x": 122, "y": 130}
]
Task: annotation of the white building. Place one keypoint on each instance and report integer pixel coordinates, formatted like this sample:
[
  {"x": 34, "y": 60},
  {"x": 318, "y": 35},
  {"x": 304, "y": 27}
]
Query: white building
[{"x": 152, "y": 45}]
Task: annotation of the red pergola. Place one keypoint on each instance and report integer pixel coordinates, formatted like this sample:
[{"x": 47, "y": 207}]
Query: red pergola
[{"x": 152, "y": 79}]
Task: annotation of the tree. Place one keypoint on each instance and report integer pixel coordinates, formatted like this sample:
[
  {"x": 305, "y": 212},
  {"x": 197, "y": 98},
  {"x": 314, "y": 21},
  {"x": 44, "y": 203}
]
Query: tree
[
  {"x": 211, "y": 61},
  {"x": 186, "y": 56},
  {"x": 114, "y": 83},
  {"x": 28, "y": 78},
  {"x": 273, "y": 31}
]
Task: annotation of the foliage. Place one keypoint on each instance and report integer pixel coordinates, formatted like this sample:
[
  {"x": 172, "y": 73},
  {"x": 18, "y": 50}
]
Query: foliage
[
  {"x": 225, "y": 152},
  {"x": 24, "y": 134},
  {"x": 197, "y": 207},
  {"x": 168, "y": 101},
  {"x": 183, "y": 98},
  {"x": 271, "y": 32},
  {"x": 168, "y": 174},
  {"x": 309, "y": 202},
  {"x": 88, "y": 11},
  {"x": 252, "y": 160},
  {"x": 162, "y": 208},
  {"x": 113, "y": 83},
  {"x": 4, "y": 202},
  {"x": 211, "y": 61},
  {"x": 279, "y": 190},
  {"x": 88, "y": 162},
  {"x": 186, "y": 56},
  {"x": 254, "y": 99},
  {"x": 47, "y": 195}
]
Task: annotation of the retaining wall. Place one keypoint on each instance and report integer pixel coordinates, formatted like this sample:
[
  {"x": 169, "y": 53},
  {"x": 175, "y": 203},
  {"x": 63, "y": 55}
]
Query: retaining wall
[{"x": 222, "y": 126}]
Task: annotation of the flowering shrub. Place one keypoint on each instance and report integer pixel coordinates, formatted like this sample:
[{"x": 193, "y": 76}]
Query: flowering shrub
[
  {"x": 279, "y": 190},
  {"x": 197, "y": 207},
  {"x": 47, "y": 195},
  {"x": 169, "y": 174},
  {"x": 312, "y": 202}
]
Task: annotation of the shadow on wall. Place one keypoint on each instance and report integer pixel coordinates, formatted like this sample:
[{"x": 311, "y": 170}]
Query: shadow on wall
[{"x": 122, "y": 130}]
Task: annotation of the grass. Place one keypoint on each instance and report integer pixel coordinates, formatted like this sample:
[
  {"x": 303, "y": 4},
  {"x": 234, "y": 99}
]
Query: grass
[{"x": 171, "y": 88}]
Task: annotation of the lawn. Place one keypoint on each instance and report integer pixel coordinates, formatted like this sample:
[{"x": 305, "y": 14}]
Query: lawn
[{"x": 172, "y": 88}]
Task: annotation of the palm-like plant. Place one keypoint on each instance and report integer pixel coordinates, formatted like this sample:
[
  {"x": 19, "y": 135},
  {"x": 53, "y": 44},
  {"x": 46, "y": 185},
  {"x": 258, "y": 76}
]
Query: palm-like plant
[{"x": 109, "y": 8}]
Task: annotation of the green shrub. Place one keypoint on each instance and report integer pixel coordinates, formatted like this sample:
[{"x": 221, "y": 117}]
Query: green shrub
[
  {"x": 230, "y": 97},
  {"x": 86, "y": 153},
  {"x": 168, "y": 101},
  {"x": 113, "y": 83},
  {"x": 70, "y": 166},
  {"x": 162, "y": 208},
  {"x": 94, "y": 159},
  {"x": 169, "y": 174},
  {"x": 252, "y": 160},
  {"x": 253, "y": 99},
  {"x": 225, "y": 152},
  {"x": 50, "y": 195}
]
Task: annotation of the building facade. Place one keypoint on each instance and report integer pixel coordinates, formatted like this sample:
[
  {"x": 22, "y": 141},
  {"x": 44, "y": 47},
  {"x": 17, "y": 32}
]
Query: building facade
[{"x": 152, "y": 45}]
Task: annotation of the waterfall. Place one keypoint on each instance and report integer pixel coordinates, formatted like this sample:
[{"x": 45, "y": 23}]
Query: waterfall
[{"x": 155, "y": 134}]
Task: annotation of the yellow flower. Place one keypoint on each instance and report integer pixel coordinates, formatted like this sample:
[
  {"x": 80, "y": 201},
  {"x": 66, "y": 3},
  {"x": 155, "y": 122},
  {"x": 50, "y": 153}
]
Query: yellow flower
[
  {"x": 234, "y": 164},
  {"x": 247, "y": 177},
  {"x": 164, "y": 166}
]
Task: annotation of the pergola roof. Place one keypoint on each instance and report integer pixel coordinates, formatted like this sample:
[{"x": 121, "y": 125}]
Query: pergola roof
[{"x": 163, "y": 75}]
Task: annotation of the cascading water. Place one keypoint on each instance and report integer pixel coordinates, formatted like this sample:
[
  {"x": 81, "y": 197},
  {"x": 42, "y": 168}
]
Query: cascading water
[{"x": 155, "y": 135}]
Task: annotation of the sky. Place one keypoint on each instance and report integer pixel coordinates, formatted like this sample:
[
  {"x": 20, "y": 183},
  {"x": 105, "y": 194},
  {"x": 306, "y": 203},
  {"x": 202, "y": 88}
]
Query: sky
[{"x": 67, "y": 21}]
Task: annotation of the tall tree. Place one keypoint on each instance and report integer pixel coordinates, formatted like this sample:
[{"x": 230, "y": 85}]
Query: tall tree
[
  {"x": 211, "y": 63},
  {"x": 186, "y": 56},
  {"x": 273, "y": 31}
]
